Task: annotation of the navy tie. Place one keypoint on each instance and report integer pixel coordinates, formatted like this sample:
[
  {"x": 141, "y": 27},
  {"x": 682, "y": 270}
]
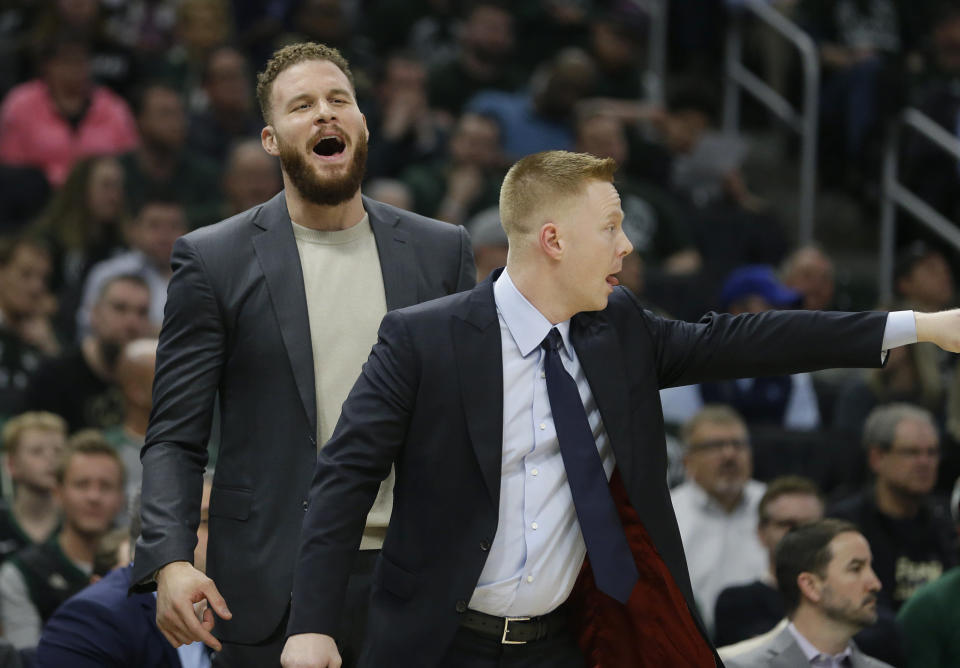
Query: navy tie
[{"x": 613, "y": 567}]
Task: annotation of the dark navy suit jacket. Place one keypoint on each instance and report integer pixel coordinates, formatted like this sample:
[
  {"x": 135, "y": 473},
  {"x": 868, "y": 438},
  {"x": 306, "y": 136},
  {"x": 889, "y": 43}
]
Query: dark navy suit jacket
[{"x": 102, "y": 627}]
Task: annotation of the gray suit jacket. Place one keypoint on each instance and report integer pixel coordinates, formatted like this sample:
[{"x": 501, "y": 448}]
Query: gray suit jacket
[
  {"x": 236, "y": 324},
  {"x": 782, "y": 651}
]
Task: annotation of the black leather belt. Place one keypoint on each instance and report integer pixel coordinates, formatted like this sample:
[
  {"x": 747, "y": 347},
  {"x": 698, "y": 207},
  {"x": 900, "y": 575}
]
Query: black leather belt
[{"x": 515, "y": 630}]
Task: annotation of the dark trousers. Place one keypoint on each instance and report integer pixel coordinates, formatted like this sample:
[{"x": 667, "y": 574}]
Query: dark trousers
[
  {"x": 266, "y": 654},
  {"x": 471, "y": 650}
]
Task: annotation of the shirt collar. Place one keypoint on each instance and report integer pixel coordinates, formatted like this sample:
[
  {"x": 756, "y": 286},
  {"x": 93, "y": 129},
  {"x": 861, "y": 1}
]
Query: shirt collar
[
  {"x": 811, "y": 652},
  {"x": 526, "y": 324}
]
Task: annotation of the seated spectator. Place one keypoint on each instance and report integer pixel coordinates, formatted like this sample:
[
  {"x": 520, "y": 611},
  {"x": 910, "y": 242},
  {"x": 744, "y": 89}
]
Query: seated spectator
[
  {"x": 830, "y": 591},
  {"x": 80, "y": 385},
  {"x": 26, "y": 333},
  {"x": 922, "y": 278},
  {"x": 912, "y": 536},
  {"x": 717, "y": 507},
  {"x": 390, "y": 191},
  {"x": 32, "y": 444},
  {"x": 618, "y": 43},
  {"x": 83, "y": 225},
  {"x": 230, "y": 114},
  {"x": 251, "y": 177},
  {"x": 745, "y": 611},
  {"x": 61, "y": 117},
  {"x": 104, "y": 626},
  {"x": 540, "y": 119},
  {"x": 134, "y": 376},
  {"x": 483, "y": 60},
  {"x": 489, "y": 241},
  {"x": 164, "y": 162},
  {"x": 787, "y": 401},
  {"x": 159, "y": 222},
  {"x": 36, "y": 580},
  {"x": 930, "y": 619},
  {"x": 810, "y": 272},
  {"x": 467, "y": 179}
]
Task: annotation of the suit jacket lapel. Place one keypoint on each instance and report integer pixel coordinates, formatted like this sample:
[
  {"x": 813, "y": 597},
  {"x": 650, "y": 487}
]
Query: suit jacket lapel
[
  {"x": 397, "y": 261},
  {"x": 279, "y": 259},
  {"x": 479, "y": 358},
  {"x": 598, "y": 350},
  {"x": 785, "y": 652}
]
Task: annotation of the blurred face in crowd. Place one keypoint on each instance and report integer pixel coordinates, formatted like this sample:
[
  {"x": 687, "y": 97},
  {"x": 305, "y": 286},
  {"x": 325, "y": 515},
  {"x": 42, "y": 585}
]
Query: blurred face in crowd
[
  {"x": 318, "y": 132},
  {"x": 683, "y": 129},
  {"x": 403, "y": 76},
  {"x": 67, "y": 72},
  {"x": 23, "y": 281},
  {"x": 200, "y": 551},
  {"x": 929, "y": 284},
  {"x": 488, "y": 33},
  {"x": 604, "y": 137},
  {"x": 228, "y": 82},
  {"x": 121, "y": 314},
  {"x": 946, "y": 43},
  {"x": 719, "y": 460},
  {"x": 202, "y": 24},
  {"x": 34, "y": 462},
  {"x": 785, "y": 513},
  {"x": 612, "y": 47},
  {"x": 156, "y": 228},
  {"x": 910, "y": 466},
  {"x": 78, "y": 12},
  {"x": 252, "y": 177},
  {"x": 162, "y": 120},
  {"x": 91, "y": 494},
  {"x": 105, "y": 190},
  {"x": 847, "y": 592},
  {"x": 134, "y": 374},
  {"x": 476, "y": 141},
  {"x": 811, "y": 273},
  {"x": 321, "y": 20}
]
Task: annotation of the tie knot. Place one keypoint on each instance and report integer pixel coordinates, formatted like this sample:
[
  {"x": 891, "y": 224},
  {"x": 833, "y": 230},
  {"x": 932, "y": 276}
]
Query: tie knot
[{"x": 552, "y": 341}]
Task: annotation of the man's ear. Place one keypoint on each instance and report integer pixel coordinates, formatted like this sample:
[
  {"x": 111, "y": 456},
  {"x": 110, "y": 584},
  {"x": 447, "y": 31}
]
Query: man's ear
[
  {"x": 268, "y": 139},
  {"x": 810, "y": 587},
  {"x": 550, "y": 241}
]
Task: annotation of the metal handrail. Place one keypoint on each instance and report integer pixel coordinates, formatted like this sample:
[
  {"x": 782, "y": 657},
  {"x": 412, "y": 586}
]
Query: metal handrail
[
  {"x": 803, "y": 122},
  {"x": 896, "y": 194}
]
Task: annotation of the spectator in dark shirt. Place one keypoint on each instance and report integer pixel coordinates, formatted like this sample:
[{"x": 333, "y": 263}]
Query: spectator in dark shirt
[{"x": 251, "y": 177}]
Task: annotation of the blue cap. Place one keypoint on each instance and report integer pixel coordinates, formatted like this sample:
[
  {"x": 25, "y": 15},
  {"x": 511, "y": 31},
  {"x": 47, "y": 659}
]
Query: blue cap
[{"x": 758, "y": 279}]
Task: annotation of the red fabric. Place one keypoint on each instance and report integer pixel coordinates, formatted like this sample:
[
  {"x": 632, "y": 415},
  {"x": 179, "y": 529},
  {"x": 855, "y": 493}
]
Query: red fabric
[{"x": 654, "y": 629}]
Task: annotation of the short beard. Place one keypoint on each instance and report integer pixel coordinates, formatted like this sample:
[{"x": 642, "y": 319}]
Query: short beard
[
  {"x": 329, "y": 192},
  {"x": 856, "y": 616}
]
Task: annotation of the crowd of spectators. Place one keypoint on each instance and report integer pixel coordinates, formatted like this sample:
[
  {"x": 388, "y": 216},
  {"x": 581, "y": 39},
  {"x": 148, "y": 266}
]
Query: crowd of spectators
[{"x": 124, "y": 125}]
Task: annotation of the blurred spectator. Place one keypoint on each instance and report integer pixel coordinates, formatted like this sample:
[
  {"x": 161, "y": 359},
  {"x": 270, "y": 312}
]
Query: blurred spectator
[
  {"x": 230, "y": 114},
  {"x": 434, "y": 35},
  {"x": 26, "y": 334},
  {"x": 464, "y": 181},
  {"x": 745, "y": 611},
  {"x": 104, "y": 626},
  {"x": 549, "y": 26},
  {"x": 653, "y": 220},
  {"x": 134, "y": 376},
  {"x": 251, "y": 177},
  {"x": 144, "y": 25},
  {"x": 912, "y": 536},
  {"x": 810, "y": 272},
  {"x": 83, "y": 225},
  {"x": 830, "y": 591},
  {"x": 542, "y": 118},
  {"x": 482, "y": 61},
  {"x": 405, "y": 130},
  {"x": 489, "y": 241},
  {"x": 163, "y": 162},
  {"x": 152, "y": 233},
  {"x": 930, "y": 619},
  {"x": 36, "y": 580},
  {"x": 922, "y": 278},
  {"x": 390, "y": 191},
  {"x": 52, "y": 121},
  {"x": 257, "y": 26},
  {"x": 111, "y": 62},
  {"x": 79, "y": 385},
  {"x": 32, "y": 444},
  {"x": 617, "y": 43},
  {"x": 717, "y": 507}
]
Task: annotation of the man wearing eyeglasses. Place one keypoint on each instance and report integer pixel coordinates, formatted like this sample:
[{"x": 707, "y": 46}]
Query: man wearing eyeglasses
[
  {"x": 911, "y": 535},
  {"x": 717, "y": 506}
]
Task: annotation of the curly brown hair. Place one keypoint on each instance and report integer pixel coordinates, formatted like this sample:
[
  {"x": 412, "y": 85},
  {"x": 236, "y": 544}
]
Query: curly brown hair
[{"x": 289, "y": 56}]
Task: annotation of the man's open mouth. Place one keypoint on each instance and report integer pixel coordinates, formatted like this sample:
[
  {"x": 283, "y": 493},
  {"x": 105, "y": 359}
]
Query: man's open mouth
[{"x": 329, "y": 146}]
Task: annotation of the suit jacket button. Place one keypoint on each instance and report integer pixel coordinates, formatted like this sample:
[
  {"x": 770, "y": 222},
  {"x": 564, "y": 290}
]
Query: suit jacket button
[
  {"x": 484, "y": 544},
  {"x": 461, "y": 606}
]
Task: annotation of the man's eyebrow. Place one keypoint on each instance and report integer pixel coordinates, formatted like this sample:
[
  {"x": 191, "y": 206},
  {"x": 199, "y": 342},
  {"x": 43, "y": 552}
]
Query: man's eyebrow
[{"x": 297, "y": 97}]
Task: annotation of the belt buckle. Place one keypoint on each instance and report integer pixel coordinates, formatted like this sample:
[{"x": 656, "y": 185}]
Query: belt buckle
[{"x": 506, "y": 630}]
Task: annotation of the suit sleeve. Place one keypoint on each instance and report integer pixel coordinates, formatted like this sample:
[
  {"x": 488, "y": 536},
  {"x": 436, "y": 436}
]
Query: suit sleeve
[
  {"x": 467, "y": 277},
  {"x": 350, "y": 467},
  {"x": 84, "y": 634},
  {"x": 773, "y": 343},
  {"x": 190, "y": 359}
]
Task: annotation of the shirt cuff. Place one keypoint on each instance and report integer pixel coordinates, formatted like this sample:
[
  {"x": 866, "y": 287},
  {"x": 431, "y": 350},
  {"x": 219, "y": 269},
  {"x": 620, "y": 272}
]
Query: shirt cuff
[{"x": 900, "y": 330}]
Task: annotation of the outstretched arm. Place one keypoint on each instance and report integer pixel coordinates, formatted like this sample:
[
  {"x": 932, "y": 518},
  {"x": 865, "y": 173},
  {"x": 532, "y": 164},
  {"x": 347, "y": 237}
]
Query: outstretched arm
[{"x": 942, "y": 328}]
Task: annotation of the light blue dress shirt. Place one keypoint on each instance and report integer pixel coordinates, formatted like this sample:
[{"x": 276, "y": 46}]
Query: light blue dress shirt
[{"x": 538, "y": 549}]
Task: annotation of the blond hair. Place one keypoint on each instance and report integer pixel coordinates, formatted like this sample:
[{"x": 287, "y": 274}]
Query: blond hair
[
  {"x": 292, "y": 55},
  {"x": 15, "y": 428},
  {"x": 542, "y": 179},
  {"x": 88, "y": 442}
]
